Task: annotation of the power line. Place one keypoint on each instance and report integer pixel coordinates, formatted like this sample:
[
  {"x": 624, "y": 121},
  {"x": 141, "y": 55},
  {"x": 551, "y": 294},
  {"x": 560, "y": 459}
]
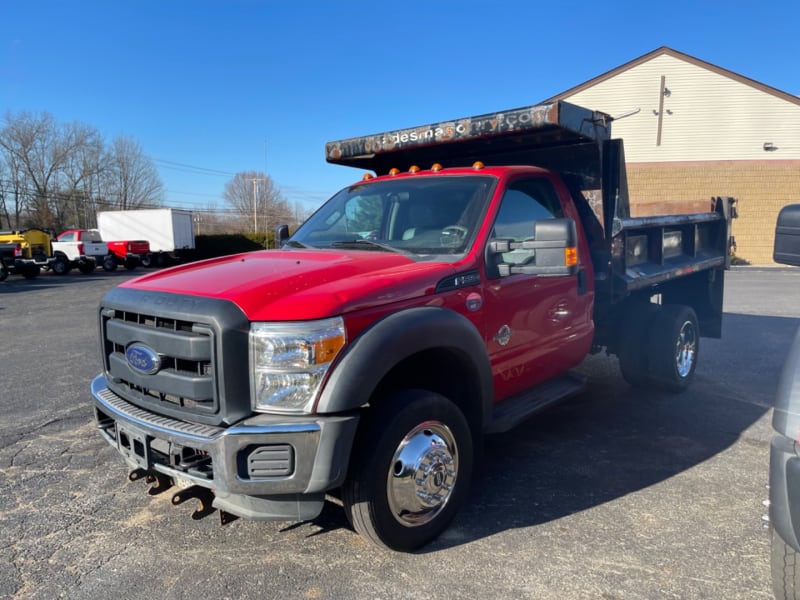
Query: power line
[{"x": 171, "y": 164}]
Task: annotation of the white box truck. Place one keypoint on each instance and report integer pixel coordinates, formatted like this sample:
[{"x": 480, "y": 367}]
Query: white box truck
[{"x": 170, "y": 231}]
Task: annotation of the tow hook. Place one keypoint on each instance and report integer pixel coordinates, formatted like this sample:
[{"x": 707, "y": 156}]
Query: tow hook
[
  {"x": 158, "y": 483},
  {"x": 204, "y": 495},
  {"x": 206, "y": 499}
]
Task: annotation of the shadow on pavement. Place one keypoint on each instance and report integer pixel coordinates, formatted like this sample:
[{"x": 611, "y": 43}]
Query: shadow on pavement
[{"x": 613, "y": 440}]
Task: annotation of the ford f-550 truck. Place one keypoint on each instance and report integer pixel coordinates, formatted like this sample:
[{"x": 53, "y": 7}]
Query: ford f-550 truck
[{"x": 444, "y": 298}]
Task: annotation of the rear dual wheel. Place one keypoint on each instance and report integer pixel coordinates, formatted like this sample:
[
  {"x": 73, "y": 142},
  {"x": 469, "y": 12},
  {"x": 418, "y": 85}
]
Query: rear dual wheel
[
  {"x": 659, "y": 346},
  {"x": 674, "y": 345},
  {"x": 410, "y": 470}
]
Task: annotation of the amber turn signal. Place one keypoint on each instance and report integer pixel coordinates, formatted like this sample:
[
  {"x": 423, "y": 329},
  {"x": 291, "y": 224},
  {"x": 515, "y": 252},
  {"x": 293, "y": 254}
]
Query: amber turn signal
[{"x": 571, "y": 256}]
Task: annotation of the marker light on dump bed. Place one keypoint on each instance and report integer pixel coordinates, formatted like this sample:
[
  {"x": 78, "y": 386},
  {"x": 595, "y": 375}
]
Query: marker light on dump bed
[
  {"x": 478, "y": 165},
  {"x": 367, "y": 176},
  {"x": 394, "y": 171},
  {"x": 413, "y": 169},
  {"x": 436, "y": 167}
]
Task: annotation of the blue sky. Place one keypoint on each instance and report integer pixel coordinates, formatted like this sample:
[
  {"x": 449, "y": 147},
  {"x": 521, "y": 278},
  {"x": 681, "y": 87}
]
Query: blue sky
[{"x": 210, "y": 88}]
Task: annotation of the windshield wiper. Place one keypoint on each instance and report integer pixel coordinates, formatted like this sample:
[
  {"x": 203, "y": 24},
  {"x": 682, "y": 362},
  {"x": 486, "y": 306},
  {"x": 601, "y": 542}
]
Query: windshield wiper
[
  {"x": 362, "y": 244},
  {"x": 296, "y": 244}
]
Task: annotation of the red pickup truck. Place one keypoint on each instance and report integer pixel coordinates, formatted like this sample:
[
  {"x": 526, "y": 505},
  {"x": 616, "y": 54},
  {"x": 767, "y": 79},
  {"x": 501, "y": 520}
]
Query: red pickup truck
[{"x": 415, "y": 312}]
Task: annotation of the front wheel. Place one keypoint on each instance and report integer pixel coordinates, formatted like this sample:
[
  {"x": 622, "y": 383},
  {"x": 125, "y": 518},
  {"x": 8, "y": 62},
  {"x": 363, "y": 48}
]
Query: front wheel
[
  {"x": 410, "y": 471},
  {"x": 674, "y": 347}
]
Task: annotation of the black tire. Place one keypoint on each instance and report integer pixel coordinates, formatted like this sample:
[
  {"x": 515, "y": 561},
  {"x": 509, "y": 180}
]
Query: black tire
[
  {"x": 110, "y": 263},
  {"x": 86, "y": 267},
  {"x": 61, "y": 266},
  {"x": 31, "y": 271},
  {"x": 632, "y": 345},
  {"x": 146, "y": 261},
  {"x": 674, "y": 347},
  {"x": 163, "y": 260},
  {"x": 785, "y": 567},
  {"x": 130, "y": 263},
  {"x": 3, "y": 272},
  {"x": 389, "y": 500}
]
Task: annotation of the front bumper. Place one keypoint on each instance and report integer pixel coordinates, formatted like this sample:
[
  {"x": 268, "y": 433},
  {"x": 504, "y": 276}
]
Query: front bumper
[
  {"x": 784, "y": 489},
  {"x": 266, "y": 467}
]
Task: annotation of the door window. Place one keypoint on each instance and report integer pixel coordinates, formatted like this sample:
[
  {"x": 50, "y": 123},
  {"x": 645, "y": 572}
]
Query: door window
[{"x": 525, "y": 202}]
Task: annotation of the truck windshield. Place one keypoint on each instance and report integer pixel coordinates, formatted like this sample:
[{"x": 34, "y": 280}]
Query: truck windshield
[{"x": 425, "y": 216}]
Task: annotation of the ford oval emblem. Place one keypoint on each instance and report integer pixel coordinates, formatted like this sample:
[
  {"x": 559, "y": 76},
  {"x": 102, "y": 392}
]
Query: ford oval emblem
[{"x": 143, "y": 359}]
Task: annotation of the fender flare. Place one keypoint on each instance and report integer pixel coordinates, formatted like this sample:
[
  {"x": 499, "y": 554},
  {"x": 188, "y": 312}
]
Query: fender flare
[{"x": 374, "y": 353}]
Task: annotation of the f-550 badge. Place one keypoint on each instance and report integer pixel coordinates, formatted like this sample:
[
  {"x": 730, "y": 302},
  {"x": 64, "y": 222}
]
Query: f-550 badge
[{"x": 143, "y": 359}]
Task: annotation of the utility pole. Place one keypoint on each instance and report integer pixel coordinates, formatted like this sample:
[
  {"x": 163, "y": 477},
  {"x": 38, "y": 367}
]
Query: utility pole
[{"x": 255, "y": 181}]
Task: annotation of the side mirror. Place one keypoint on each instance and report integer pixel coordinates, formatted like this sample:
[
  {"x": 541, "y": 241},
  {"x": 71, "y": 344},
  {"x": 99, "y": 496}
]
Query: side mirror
[
  {"x": 787, "y": 236},
  {"x": 553, "y": 251},
  {"x": 281, "y": 235}
]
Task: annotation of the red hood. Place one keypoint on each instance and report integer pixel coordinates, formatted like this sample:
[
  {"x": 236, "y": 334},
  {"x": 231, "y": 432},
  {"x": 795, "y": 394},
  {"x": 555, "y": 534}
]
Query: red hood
[{"x": 289, "y": 285}]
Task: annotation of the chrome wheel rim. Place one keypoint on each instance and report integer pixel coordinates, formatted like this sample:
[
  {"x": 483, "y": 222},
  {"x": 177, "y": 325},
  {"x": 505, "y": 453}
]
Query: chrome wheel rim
[
  {"x": 422, "y": 474},
  {"x": 686, "y": 349}
]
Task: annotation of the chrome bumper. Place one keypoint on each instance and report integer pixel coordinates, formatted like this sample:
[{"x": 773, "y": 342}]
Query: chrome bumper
[{"x": 263, "y": 456}]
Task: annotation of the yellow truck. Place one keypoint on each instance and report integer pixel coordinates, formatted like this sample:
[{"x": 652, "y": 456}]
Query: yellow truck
[{"x": 26, "y": 251}]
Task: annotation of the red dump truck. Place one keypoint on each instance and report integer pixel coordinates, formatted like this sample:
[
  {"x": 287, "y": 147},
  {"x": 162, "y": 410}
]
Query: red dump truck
[{"x": 446, "y": 297}]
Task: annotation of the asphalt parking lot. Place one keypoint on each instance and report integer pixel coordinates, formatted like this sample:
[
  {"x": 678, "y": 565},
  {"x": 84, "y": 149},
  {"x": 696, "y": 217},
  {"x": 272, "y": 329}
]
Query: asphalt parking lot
[{"x": 615, "y": 494}]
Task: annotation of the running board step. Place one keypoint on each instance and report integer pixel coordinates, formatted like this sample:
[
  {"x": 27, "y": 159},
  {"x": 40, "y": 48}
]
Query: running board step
[{"x": 510, "y": 413}]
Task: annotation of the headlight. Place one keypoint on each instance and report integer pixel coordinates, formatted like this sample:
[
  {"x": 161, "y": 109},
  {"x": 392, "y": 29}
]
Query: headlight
[{"x": 289, "y": 360}]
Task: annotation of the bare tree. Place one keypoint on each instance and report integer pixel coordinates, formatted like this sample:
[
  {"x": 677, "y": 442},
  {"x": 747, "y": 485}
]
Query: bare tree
[
  {"x": 15, "y": 195},
  {"x": 80, "y": 170},
  {"x": 131, "y": 179},
  {"x": 47, "y": 161},
  {"x": 256, "y": 201},
  {"x": 31, "y": 143}
]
